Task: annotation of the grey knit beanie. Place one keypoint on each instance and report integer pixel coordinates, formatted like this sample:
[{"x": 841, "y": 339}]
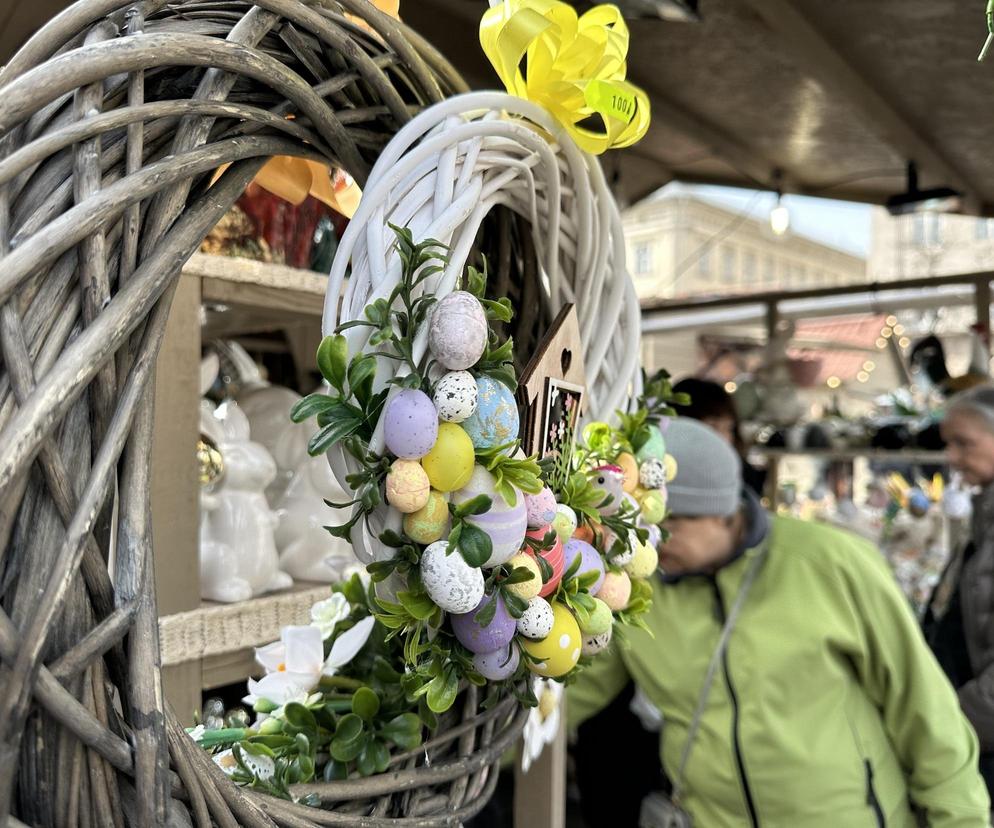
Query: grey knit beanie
[{"x": 709, "y": 471}]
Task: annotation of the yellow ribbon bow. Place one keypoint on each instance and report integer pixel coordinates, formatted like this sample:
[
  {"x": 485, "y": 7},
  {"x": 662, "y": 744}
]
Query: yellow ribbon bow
[{"x": 575, "y": 68}]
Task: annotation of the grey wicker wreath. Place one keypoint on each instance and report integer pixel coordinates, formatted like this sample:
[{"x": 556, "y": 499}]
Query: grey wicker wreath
[{"x": 113, "y": 121}]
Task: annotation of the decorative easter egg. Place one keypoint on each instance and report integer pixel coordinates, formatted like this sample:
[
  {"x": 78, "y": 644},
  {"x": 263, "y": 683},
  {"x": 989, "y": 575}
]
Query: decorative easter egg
[
  {"x": 654, "y": 448},
  {"x": 618, "y": 554},
  {"x": 504, "y": 524},
  {"x": 455, "y": 396},
  {"x": 450, "y": 582},
  {"x": 410, "y": 424},
  {"x": 555, "y": 557},
  {"x": 630, "y": 470},
  {"x": 671, "y": 468},
  {"x": 541, "y": 508},
  {"x": 498, "y": 665},
  {"x": 495, "y": 421},
  {"x": 653, "y": 505},
  {"x": 599, "y": 621},
  {"x": 644, "y": 562},
  {"x": 450, "y": 463},
  {"x": 918, "y": 502},
  {"x": 616, "y": 590},
  {"x": 584, "y": 533},
  {"x": 652, "y": 474},
  {"x": 594, "y": 644},
  {"x": 664, "y": 422},
  {"x": 655, "y": 535},
  {"x": 429, "y": 523},
  {"x": 485, "y": 639},
  {"x": 457, "y": 334},
  {"x": 564, "y": 523},
  {"x": 536, "y": 622},
  {"x": 526, "y": 590},
  {"x": 559, "y": 651},
  {"x": 407, "y": 486},
  {"x": 608, "y": 480},
  {"x": 590, "y": 561}
]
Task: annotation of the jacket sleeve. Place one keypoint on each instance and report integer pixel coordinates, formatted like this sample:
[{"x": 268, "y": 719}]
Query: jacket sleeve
[
  {"x": 596, "y": 686},
  {"x": 933, "y": 739},
  {"x": 976, "y": 697}
]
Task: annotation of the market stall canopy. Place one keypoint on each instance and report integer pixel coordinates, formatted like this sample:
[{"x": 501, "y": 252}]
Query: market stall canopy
[{"x": 828, "y": 99}]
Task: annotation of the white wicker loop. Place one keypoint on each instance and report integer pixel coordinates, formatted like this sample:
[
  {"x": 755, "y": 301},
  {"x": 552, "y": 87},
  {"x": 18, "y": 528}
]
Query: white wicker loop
[{"x": 440, "y": 176}]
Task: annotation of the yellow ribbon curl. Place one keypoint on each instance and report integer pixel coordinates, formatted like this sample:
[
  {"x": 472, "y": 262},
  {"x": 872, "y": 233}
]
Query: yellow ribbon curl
[{"x": 574, "y": 67}]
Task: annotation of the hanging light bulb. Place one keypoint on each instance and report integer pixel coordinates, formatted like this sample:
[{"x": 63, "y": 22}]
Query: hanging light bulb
[{"x": 779, "y": 217}]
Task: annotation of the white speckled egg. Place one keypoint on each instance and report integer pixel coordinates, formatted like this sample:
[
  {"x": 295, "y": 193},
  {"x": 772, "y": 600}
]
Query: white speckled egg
[
  {"x": 652, "y": 474},
  {"x": 536, "y": 621},
  {"x": 449, "y": 581},
  {"x": 594, "y": 644},
  {"x": 456, "y": 396},
  {"x": 457, "y": 335}
]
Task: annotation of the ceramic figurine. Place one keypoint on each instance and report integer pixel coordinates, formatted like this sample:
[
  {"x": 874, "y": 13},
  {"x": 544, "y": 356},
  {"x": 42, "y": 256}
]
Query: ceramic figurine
[{"x": 238, "y": 557}]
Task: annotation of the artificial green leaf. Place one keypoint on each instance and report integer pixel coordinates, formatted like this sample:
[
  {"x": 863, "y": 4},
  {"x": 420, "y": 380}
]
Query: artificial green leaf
[
  {"x": 335, "y": 771},
  {"x": 302, "y": 743},
  {"x": 420, "y": 606},
  {"x": 475, "y": 545},
  {"x": 505, "y": 376},
  {"x": 516, "y": 605},
  {"x": 349, "y": 728},
  {"x": 299, "y": 716},
  {"x": 486, "y": 615},
  {"x": 393, "y": 539},
  {"x": 427, "y": 715},
  {"x": 306, "y": 765},
  {"x": 519, "y": 575},
  {"x": 331, "y": 434},
  {"x": 474, "y": 506},
  {"x": 366, "y": 761},
  {"x": 365, "y": 703},
  {"x": 345, "y": 751},
  {"x": 381, "y": 755},
  {"x": 332, "y": 360},
  {"x": 403, "y": 730},
  {"x": 310, "y": 406},
  {"x": 548, "y": 573},
  {"x": 344, "y": 530},
  {"x": 361, "y": 373},
  {"x": 380, "y": 570},
  {"x": 442, "y": 690}
]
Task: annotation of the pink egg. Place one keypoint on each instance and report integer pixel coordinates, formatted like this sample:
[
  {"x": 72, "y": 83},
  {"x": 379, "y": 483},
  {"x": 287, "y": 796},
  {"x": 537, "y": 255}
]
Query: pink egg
[
  {"x": 555, "y": 557},
  {"x": 541, "y": 508},
  {"x": 410, "y": 424},
  {"x": 590, "y": 561},
  {"x": 494, "y": 636}
]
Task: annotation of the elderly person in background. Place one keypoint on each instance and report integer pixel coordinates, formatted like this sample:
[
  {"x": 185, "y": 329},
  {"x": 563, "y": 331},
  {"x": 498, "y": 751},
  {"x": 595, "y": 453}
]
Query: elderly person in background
[{"x": 959, "y": 623}]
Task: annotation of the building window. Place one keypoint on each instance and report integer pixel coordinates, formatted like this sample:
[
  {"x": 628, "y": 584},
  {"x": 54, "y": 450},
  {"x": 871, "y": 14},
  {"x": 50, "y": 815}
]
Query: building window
[
  {"x": 983, "y": 229},
  {"x": 704, "y": 263},
  {"x": 749, "y": 267},
  {"x": 643, "y": 259},
  {"x": 926, "y": 230},
  {"x": 728, "y": 265}
]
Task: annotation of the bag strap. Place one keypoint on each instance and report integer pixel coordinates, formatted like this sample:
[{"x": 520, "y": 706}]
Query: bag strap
[{"x": 719, "y": 651}]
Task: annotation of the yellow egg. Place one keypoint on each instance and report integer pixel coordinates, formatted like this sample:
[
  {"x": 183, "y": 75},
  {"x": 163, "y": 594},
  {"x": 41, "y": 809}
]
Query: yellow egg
[
  {"x": 449, "y": 464},
  {"x": 407, "y": 486},
  {"x": 616, "y": 590},
  {"x": 643, "y": 563},
  {"x": 629, "y": 465},
  {"x": 653, "y": 504},
  {"x": 559, "y": 651},
  {"x": 526, "y": 589},
  {"x": 429, "y": 523},
  {"x": 671, "y": 468}
]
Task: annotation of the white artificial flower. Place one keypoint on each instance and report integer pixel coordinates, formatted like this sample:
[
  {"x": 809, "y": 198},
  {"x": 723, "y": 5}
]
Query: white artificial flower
[
  {"x": 543, "y": 722},
  {"x": 261, "y": 767},
  {"x": 197, "y": 733},
  {"x": 294, "y": 664},
  {"x": 357, "y": 569},
  {"x": 226, "y": 761},
  {"x": 327, "y": 614}
]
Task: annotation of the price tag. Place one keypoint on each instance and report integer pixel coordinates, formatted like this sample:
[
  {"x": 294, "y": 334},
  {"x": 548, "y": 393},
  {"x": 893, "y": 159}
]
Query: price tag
[{"x": 611, "y": 99}]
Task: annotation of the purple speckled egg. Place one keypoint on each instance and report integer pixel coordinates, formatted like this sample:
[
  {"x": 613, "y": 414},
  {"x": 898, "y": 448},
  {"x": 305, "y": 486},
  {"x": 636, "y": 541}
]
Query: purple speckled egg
[
  {"x": 495, "y": 635},
  {"x": 457, "y": 334},
  {"x": 498, "y": 665},
  {"x": 541, "y": 508},
  {"x": 590, "y": 560},
  {"x": 410, "y": 424}
]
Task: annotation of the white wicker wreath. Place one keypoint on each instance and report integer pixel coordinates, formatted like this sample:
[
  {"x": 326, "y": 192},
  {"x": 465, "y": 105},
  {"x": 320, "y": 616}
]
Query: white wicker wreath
[{"x": 440, "y": 176}]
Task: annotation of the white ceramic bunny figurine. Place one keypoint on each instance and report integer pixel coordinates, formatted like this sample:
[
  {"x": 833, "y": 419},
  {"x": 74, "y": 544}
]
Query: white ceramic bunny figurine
[{"x": 238, "y": 557}]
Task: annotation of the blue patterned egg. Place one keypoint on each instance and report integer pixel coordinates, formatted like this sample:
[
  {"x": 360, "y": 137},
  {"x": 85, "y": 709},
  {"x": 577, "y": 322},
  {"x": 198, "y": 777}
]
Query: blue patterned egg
[
  {"x": 498, "y": 665},
  {"x": 457, "y": 334},
  {"x": 410, "y": 424},
  {"x": 495, "y": 421},
  {"x": 456, "y": 396},
  {"x": 505, "y": 524}
]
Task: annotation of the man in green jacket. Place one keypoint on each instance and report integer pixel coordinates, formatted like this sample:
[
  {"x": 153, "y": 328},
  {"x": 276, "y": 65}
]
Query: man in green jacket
[{"x": 826, "y": 707}]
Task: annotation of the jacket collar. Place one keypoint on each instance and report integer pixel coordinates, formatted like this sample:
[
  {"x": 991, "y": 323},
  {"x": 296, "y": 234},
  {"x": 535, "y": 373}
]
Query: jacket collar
[{"x": 757, "y": 528}]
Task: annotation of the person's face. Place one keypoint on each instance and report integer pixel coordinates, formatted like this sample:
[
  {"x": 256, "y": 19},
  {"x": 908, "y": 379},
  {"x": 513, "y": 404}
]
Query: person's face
[
  {"x": 725, "y": 426},
  {"x": 969, "y": 447},
  {"x": 696, "y": 544}
]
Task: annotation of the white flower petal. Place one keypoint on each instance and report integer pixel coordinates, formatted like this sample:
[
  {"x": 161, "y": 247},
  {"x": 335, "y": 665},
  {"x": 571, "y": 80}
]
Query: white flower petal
[
  {"x": 261, "y": 767},
  {"x": 327, "y": 614},
  {"x": 271, "y": 656},
  {"x": 348, "y": 644},
  {"x": 283, "y": 688},
  {"x": 226, "y": 761},
  {"x": 197, "y": 733},
  {"x": 304, "y": 650}
]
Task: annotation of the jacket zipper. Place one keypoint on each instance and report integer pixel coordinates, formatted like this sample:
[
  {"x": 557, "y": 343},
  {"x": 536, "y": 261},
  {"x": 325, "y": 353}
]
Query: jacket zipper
[
  {"x": 736, "y": 743},
  {"x": 871, "y": 796}
]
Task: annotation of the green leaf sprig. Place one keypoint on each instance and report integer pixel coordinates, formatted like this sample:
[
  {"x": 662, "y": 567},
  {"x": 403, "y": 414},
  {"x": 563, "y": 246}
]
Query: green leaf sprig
[
  {"x": 511, "y": 473},
  {"x": 469, "y": 540}
]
